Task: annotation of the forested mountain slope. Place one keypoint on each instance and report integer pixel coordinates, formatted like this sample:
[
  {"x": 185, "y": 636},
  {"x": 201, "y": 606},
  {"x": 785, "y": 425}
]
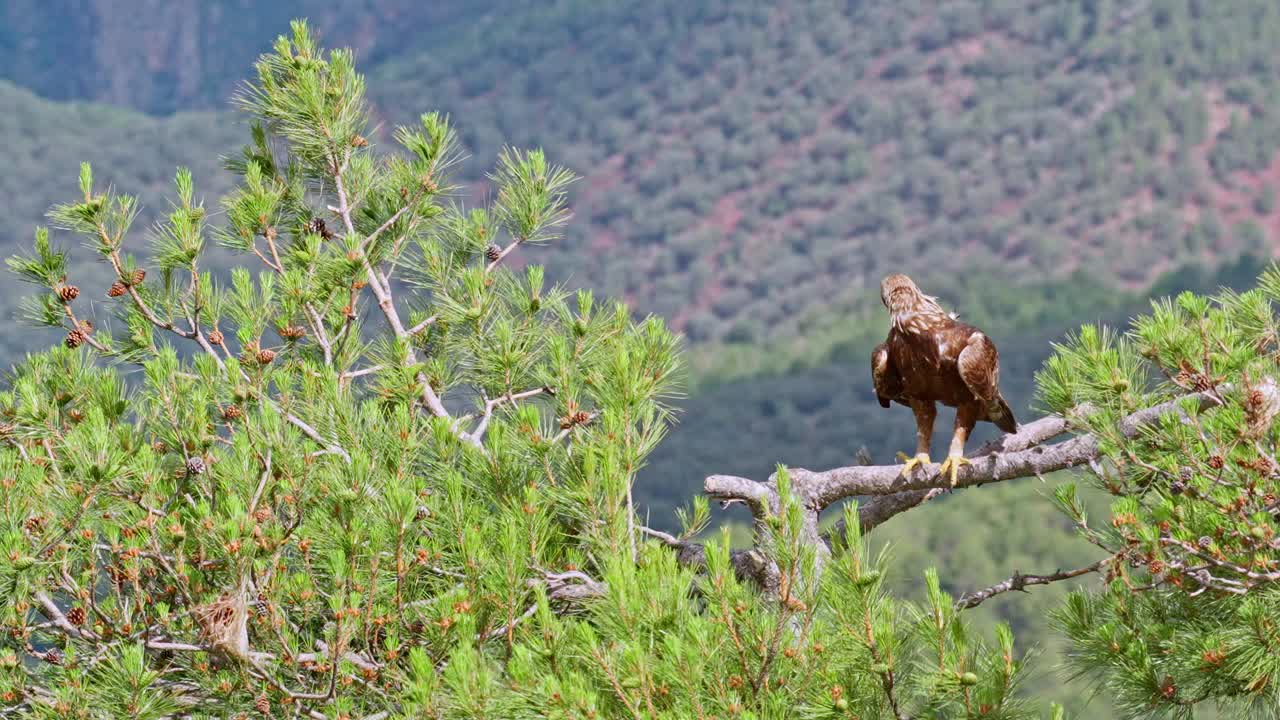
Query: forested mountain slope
[{"x": 751, "y": 168}]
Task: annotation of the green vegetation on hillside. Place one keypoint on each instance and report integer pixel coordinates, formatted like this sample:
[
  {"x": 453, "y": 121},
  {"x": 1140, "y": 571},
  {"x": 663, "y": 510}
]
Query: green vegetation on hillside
[
  {"x": 48, "y": 141},
  {"x": 752, "y": 168},
  {"x": 162, "y": 57}
]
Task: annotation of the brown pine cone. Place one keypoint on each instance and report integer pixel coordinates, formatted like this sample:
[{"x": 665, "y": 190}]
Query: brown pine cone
[
  {"x": 266, "y": 356},
  {"x": 74, "y": 339},
  {"x": 215, "y": 338},
  {"x": 68, "y": 293},
  {"x": 359, "y": 141},
  {"x": 116, "y": 290},
  {"x": 292, "y": 332},
  {"x": 232, "y": 412},
  {"x": 137, "y": 277},
  {"x": 316, "y": 226},
  {"x": 76, "y": 615},
  {"x": 262, "y": 704},
  {"x": 492, "y": 252},
  {"x": 195, "y": 466}
]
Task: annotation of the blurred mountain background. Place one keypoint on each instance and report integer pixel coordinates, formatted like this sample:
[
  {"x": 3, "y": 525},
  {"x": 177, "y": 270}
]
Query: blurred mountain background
[{"x": 750, "y": 171}]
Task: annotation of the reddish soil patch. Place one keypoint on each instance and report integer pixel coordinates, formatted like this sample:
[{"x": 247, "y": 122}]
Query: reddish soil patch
[
  {"x": 604, "y": 178},
  {"x": 726, "y": 214}
]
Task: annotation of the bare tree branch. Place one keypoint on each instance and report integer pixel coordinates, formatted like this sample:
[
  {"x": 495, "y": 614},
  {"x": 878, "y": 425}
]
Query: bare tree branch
[
  {"x": 1016, "y": 455},
  {"x": 1019, "y": 582},
  {"x": 1013, "y": 456},
  {"x": 490, "y": 405}
]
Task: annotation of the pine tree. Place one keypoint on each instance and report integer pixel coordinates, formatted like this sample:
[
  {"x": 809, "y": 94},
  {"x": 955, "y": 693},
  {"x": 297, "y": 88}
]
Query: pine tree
[
  {"x": 1189, "y": 614},
  {"x": 293, "y": 511}
]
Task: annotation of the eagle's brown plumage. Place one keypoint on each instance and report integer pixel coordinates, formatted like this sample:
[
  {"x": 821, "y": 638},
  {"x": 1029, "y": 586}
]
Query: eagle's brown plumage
[{"x": 931, "y": 357}]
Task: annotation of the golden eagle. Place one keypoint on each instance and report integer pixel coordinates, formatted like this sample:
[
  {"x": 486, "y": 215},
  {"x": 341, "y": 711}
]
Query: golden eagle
[{"x": 930, "y": 357}]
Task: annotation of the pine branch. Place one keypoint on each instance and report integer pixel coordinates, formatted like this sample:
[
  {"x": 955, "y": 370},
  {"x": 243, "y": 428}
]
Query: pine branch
[
  {"x": 1018, "y": 582},
  {"x": 1015, "y": 456},
  {"x": 490, "y": 405},
  {"x": 383, "y": 293}
]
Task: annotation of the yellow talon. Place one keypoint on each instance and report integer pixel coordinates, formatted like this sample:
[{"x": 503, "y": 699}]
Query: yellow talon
[
  {"x": 952, "y": 465},
  {"x": 910, "y": 464}
]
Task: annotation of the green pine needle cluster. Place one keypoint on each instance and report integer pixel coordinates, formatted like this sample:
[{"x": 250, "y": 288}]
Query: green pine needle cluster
[{"x": 1188, "y": 615}]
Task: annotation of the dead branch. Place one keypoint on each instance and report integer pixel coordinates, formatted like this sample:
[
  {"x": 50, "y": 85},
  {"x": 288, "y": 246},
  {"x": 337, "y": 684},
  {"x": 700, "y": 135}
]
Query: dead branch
[{"x": 1019, "y": 582}]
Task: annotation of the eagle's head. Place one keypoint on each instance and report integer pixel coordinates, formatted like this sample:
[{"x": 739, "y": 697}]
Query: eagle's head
[
  {"x": 900, "y": 294},
  {"x": 904, "y": 300}
]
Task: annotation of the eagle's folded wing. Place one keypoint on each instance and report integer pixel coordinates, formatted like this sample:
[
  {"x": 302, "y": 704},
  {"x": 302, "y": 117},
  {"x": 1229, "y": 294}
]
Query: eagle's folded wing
[
  {"x": 979, "y": 366},
  {"x": 884, "y": 376}
]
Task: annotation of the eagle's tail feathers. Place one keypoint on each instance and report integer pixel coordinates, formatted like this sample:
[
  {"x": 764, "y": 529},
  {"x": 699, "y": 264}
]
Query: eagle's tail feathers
[{"x": 1002, "y": 416}]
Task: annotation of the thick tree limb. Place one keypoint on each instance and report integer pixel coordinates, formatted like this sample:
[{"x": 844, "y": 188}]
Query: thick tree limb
[
  {"x": 1019, "y": 582},
  {"x": 1016, "y": 455},
  {"x": 878, "y": 510}
]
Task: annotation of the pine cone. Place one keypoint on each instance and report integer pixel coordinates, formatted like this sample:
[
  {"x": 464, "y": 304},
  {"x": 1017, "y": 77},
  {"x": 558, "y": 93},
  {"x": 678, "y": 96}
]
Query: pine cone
[
  {"x": 74, "y": 339},
  {"x": 292, "y": 332},
  {"x": 316, "y": 226},
  {"x": 1261, "y": 407},
  {"x": 53, "y": 656},
  {"x": 232, "y": 412},
  {"x": 33, "y": 524},
  {"x": 116, "y": 290},
  {"x": 137, "y": 277},
  {"x": 262, "y": 704},
  {"x": 68, "y": 293},
  {"x": 195, "y": 466},
  {"x": 215, "y": 338},
  {"x": 580, "y": 417},
  {"x": 76, "y": 615},
  {"x": 159, "y": 447},
  {"x": 265, "y": 357},
  {"x": 492, "y": 252},
  {"x": 359, "y": 141}
]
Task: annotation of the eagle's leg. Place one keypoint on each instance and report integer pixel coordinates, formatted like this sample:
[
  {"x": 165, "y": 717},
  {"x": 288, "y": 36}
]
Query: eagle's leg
[
  {"x": 925, "y": 413},
  {"x": 966, "y": 417}
]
